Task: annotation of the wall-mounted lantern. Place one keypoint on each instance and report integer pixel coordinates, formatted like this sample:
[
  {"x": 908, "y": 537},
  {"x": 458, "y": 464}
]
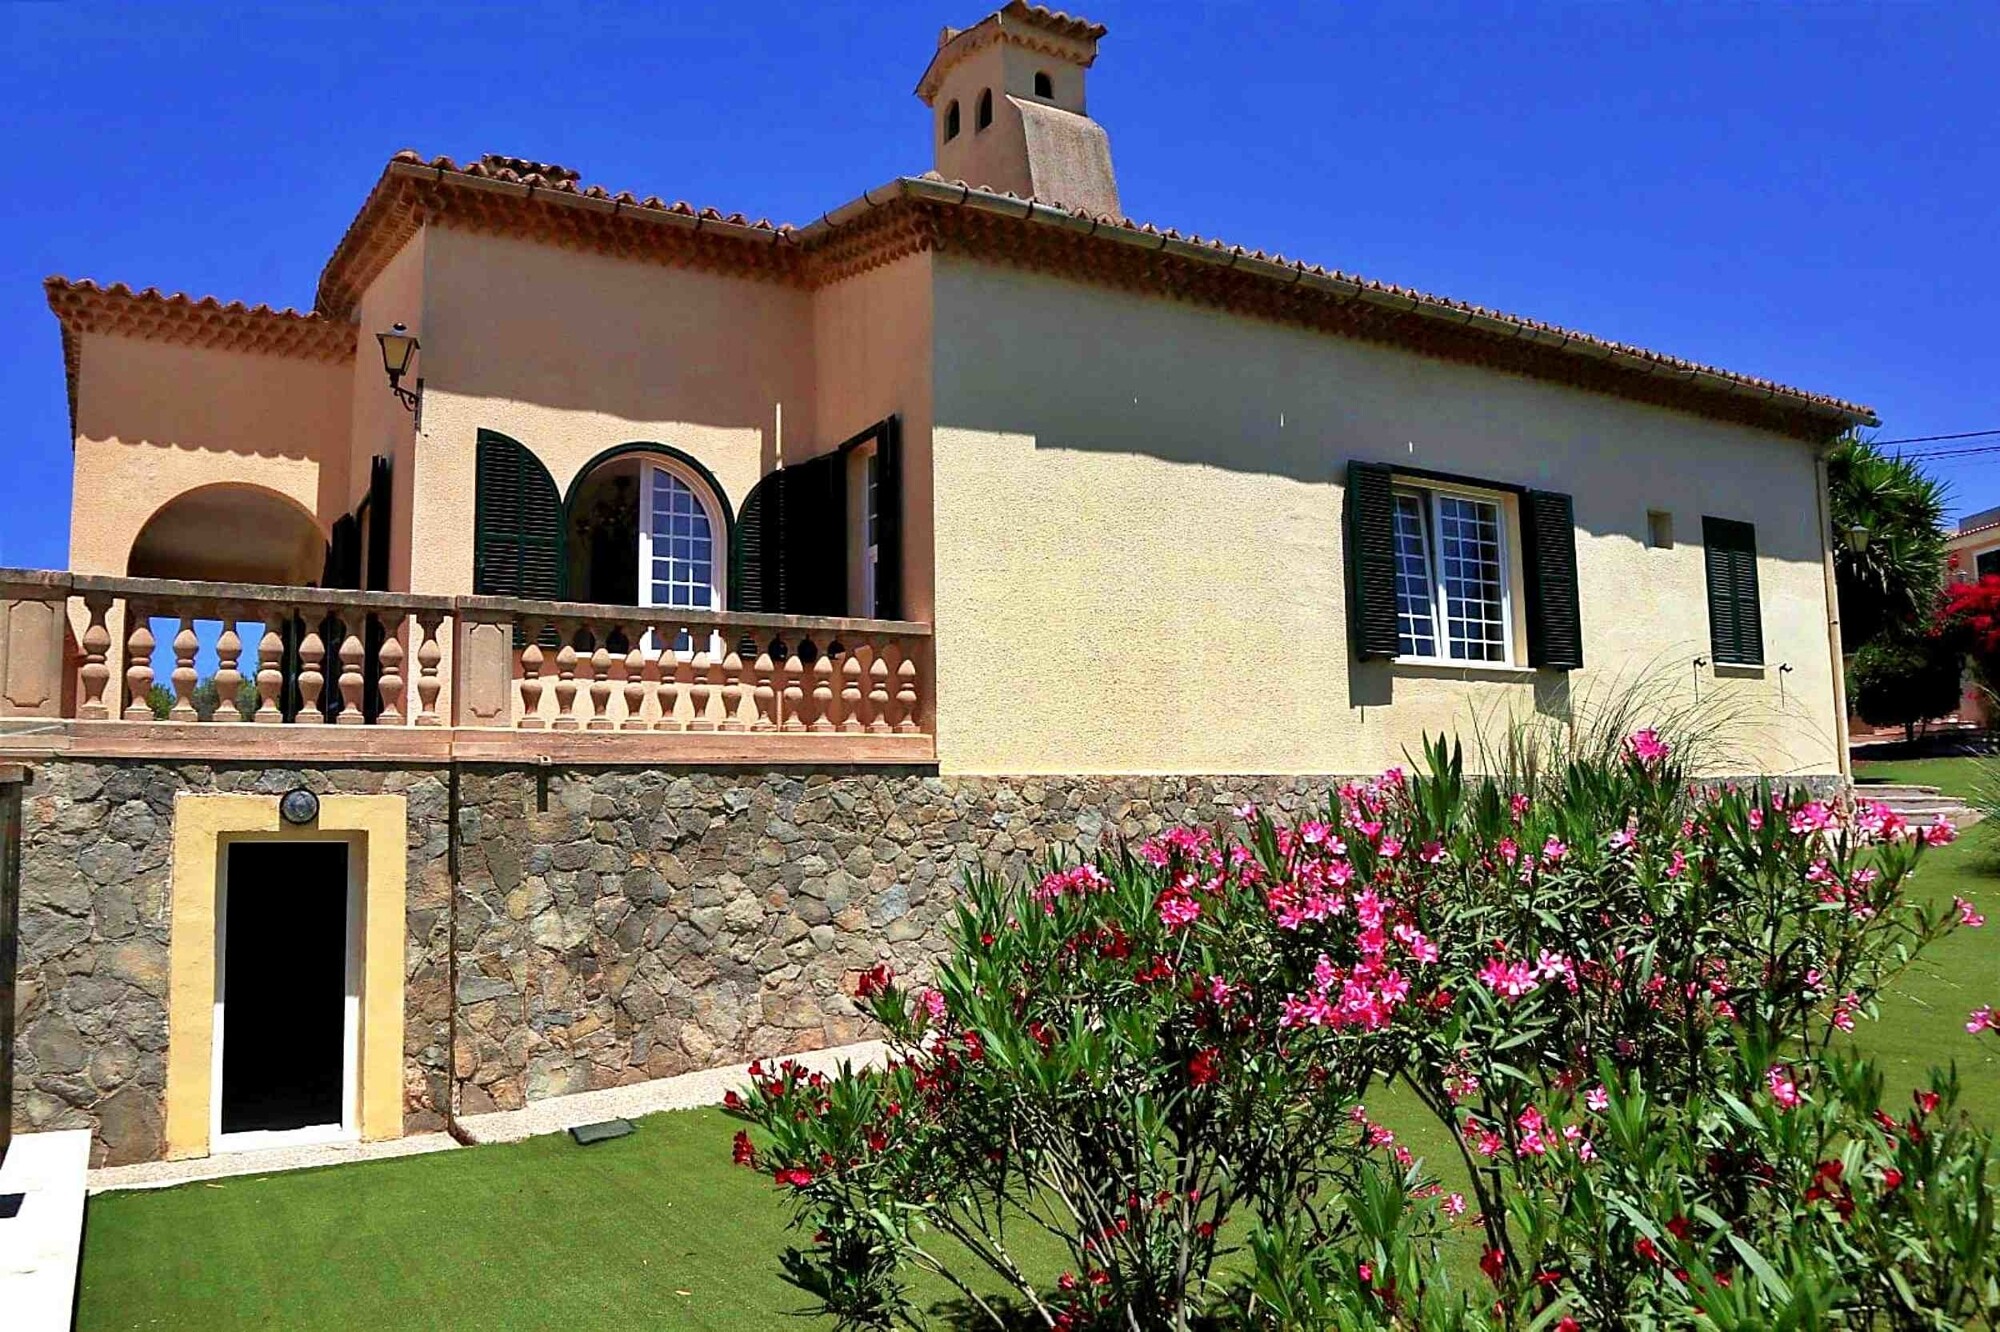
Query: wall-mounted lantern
[
  {"x": 1857, "y": 538},
  {"x": 399, "y": 349}
]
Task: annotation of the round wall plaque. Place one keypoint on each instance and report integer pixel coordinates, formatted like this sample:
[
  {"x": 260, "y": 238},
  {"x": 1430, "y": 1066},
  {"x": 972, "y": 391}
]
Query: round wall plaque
[{"x": 299, "y": 806}]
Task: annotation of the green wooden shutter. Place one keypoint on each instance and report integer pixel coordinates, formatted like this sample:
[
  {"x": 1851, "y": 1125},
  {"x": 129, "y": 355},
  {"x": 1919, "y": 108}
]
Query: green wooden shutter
[
  {"x": 379, "y": 501},
  {"x": 756, "y": 560},
  {"x": 889, "y": 521},
  {"x": 517, "y": 524},
  {"x": 814, "y": 542},
  {"x": 1371, "y": 559},
  {"x": 1548, "y": 541},
  {"x": 1735, "y": 623}
]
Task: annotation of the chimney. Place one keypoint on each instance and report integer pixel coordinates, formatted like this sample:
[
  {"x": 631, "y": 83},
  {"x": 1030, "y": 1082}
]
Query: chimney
[{"x": 1006, "y": 97}]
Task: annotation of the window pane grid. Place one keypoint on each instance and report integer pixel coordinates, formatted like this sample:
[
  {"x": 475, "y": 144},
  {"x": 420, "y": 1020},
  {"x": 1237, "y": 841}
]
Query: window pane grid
[
  {"x": 683, "y": 563},
  {"x": 1450, "y": 578}
]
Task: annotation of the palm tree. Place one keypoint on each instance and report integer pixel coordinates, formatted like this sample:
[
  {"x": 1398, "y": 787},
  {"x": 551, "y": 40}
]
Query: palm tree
[{"x": 1889, "y": 586}]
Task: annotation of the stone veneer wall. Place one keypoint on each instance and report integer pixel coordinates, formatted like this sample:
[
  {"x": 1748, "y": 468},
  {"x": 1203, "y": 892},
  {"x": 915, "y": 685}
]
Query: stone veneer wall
[{"x": 613, "y": 924}]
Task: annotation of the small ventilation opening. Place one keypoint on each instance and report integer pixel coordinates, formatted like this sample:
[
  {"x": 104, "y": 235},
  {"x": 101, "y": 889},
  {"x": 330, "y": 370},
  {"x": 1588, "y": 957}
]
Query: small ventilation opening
[
  {"x": 985, "y": 109},
  {"x": 1659, "y": 529},
  {"x": 951, "y": 122},
  {"x": 1044, "y": 85}
]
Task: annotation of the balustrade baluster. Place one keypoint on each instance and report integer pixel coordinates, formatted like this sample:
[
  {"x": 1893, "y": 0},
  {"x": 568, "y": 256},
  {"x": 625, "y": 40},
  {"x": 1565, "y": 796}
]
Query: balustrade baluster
[
  {"x": 430, "y": 652},
  {"x": 878, "y": 687},
  {"x": 312, "y": 678},
  {"x": 906, "y": 693},
  {"x": 138, "y": 664},
  {"x": 389, "y": 683},
  {"x": 850, "y": 691},
  {"x": 532, "y": 666},
  {"x": 636, "y": 683},
  {"x": 600, "y": 684},
  {"x": 353, "y": 649},
  {"x": 184, "y": 677},
  {"x": 795, "y": 693},
  {"x": 271, "y": 668},
  {"x": 683, "y": 681},
  {"x": 736, "y": 692},
  {"x": 228, "y": 672},
  {"x": 822, "y": 694},
  {"x": 95, "y": 674},
  {"x": 565, "y": 676},
  {"x": 764, "y": 715},
  {"x": 703, "y": 671}
]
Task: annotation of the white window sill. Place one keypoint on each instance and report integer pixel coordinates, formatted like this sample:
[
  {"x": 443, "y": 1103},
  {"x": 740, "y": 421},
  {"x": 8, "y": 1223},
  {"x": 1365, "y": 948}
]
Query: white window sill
[{"x": 1447, "y": 664}]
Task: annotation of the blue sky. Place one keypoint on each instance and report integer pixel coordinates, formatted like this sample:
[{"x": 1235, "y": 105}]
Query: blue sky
[{"x": 1806, "y": 192}]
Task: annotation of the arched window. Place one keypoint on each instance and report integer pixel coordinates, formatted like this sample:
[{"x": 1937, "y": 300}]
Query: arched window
[
  {"x": 679, "y": 553},
  {"x": 985, "y": 109},
  {"x": 1044, "y": 85},
  {"x": 951, "y": 121}
]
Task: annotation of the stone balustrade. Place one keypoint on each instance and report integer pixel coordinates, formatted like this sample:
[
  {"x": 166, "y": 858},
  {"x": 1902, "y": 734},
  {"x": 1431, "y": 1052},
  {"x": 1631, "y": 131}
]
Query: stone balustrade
[{"x": 501, "y": 676}]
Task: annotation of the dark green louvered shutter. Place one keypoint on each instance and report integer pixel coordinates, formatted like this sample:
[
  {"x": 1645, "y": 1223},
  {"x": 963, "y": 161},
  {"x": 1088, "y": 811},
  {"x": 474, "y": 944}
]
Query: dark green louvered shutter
[
  {"x": 889, "y": 521},
  {"x": 517, "y": 524},
  {"x": 1548, "y": 540},
  {"x": 813, "y": 545},
  {"x": 1735, "y": 624},
  {"x": 756, "y": 561},
  {"x": 379, "y": 501},
  {"x": 1371, "y": 559}
]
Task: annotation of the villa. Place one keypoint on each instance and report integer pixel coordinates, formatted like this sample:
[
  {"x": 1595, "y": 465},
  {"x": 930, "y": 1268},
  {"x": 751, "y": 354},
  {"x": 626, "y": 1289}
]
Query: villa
[{"x": 602, "y": 627}]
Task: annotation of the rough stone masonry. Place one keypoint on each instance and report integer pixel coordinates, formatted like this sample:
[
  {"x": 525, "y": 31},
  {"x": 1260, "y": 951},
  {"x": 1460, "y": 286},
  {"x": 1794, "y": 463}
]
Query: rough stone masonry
[{"x": 612, "y": 924}]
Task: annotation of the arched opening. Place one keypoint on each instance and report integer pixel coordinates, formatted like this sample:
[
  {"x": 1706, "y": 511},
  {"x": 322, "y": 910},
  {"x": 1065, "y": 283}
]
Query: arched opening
[
  {"x": 1044, "y": 85},
  {"x": 647, "y": 528},
  {"x": 230, "y": 533},
  {"x": 985, "y": 108},
  {"x": 951, "y": 121}
]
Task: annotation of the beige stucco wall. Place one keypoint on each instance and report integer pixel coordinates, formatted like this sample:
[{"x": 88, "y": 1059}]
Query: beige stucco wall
[
  {"x": 1139, "y": 555},
  {"x": 576, "y": 353},
  {"x": 872, "y": 358},
  {"x": 156, "y": 420},
  {"x": 380, "y": 424}
]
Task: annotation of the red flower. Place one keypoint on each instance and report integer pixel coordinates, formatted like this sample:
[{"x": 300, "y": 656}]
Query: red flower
[
  {"x": 743, "y": 1153},
  {"x": 1494, "y": 1264},
  {"x": 1927, "y": 1101},
  {"x": 731, "y": 1101},
  {"x": 875, "y": 982},
  {"x": 797, "y": 1177},
  {"x": 1568, "y": 1324},
  {"x": 1646, "y": 1249},
  {"x": 1679, "y": 1228},
  {"x": 1201, "y": 1068},
  {"x": 1892, "y": 1179}
]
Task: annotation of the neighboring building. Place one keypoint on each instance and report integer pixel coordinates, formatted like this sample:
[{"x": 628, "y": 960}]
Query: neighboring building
[
  {"x": 731, "y": 587},
  {"x": 1974, "y": 549}
]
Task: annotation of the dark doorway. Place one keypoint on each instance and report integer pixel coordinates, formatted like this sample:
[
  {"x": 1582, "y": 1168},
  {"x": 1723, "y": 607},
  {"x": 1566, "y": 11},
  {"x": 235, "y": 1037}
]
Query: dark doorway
[{"x": 284, "y": 986}]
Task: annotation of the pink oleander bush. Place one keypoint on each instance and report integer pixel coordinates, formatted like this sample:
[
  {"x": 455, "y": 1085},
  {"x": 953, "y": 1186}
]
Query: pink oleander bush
[{"x": 1624, "y": 997}]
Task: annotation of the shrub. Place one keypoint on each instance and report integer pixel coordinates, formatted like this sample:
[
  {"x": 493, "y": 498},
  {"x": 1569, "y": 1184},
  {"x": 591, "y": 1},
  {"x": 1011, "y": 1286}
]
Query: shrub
[
  {"x": 1898, "y": 682},
  {"x": 1617, "y": 991}
]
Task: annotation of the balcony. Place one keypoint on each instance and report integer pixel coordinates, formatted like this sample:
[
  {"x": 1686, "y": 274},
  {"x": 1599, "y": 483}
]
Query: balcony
[{"x": 317, "y": 674}]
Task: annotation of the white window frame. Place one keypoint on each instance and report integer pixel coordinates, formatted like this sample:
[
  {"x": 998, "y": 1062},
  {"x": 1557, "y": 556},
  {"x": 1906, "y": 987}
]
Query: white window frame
[
  {"x": 871, "y": 529},
  {"x": 349, "y": 1127},
  {"x": 1429, "y": 494},
  {"x": 650, "y": 464}
]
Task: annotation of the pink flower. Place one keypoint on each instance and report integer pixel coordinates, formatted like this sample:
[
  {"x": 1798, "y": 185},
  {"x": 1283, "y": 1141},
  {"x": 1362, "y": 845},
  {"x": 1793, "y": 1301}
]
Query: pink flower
[
  {"x": 1676, "y": 865},
  {"x": 1454, "y": 1205},
  {"x": 1517, "y": 804},
  {"x": 1813, "y": 816},
  {"x": 1553, "y": 851},
  {"x": 1247, "y": 811},
  {"x": 1983, "y": 1018},
  {"x": 1597, "y": 1099},
  {"x": 1646, "y": 746},
  {"x": 1432, "y": 854},
  {"x": 932, "y": 1003},
  {"x": 1941, "y": 833},
  {"x": 1178, "y": 909},
  {"x": 1784, "y": 1090},
  {"x": 1843, "y": 1012},
  {"x": 1967, "y": 917},
  {"x": 1510, "y": 980}
]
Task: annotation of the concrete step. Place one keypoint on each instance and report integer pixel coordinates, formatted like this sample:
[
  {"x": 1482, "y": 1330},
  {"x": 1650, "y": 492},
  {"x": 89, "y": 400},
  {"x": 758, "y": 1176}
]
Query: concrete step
[{"x": 1889, "y": 790}]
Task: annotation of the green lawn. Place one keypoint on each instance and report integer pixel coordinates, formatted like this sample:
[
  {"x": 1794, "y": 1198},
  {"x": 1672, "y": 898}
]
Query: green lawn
[{"x": 658, "y": 1229}]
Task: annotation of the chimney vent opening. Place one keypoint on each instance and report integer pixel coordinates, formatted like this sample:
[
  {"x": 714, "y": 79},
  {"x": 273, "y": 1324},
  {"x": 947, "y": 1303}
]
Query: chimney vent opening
[
  {"x": 951, "y": 121},
  {"x": 985, "y": 109},
  {"x": 1044, "y": 85}
]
